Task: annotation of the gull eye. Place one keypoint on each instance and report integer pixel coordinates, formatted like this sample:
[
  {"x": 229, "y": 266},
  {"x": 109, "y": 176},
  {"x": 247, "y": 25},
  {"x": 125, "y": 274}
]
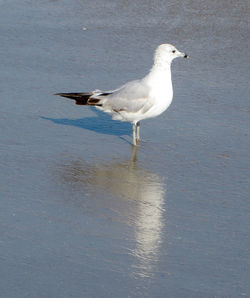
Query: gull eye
[{"x": 173, "y": 51}]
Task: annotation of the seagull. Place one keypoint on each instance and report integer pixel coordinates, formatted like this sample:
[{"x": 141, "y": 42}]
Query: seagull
[{"x": 138, "y": 99}]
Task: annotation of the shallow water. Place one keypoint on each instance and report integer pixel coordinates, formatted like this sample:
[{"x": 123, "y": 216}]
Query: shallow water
[{"x": 83, "y": 214}]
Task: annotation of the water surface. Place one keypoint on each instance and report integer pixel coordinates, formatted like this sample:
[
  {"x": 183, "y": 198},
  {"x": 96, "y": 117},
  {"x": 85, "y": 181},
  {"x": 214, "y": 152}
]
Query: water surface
[{"x": 83, "y": 213}]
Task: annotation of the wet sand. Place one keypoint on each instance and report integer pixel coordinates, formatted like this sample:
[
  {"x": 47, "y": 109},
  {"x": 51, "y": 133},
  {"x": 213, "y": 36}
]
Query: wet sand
[{"x": 82, "y": 212}]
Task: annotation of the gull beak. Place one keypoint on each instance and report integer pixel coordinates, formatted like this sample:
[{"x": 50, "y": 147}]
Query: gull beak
[{"x": 183, "y": 55}]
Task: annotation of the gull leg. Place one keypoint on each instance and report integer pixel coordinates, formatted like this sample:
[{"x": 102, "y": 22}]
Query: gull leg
[
  {"x": 138, "y": 131},
  {"x": 133, "y": 156},
  {"x": 134, "y": 134}
]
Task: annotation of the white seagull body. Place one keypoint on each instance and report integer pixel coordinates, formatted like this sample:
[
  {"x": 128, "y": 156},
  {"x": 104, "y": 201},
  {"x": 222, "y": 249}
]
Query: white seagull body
[{"x": 138, "y": 99}]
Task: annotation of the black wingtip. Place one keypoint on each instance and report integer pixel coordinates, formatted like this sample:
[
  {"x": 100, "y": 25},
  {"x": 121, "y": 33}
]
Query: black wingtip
[
  {"x": 63, "y": 94},
  {"x": 80, "y": 98}
]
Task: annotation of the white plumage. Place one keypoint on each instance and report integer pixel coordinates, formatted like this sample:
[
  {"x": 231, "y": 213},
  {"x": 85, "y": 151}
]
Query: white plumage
[{"x": 139, "y": 99}]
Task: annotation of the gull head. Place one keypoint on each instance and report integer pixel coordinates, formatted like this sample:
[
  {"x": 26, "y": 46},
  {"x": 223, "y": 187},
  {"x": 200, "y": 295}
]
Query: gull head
[{"x": 166, "y": 53}]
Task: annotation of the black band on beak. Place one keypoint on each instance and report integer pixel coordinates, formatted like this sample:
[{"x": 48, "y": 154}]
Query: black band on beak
[{"x": 186, "y": 56}]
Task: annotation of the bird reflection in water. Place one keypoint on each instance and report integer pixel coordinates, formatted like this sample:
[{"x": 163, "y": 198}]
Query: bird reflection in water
[{"x": 139, "y": 196}]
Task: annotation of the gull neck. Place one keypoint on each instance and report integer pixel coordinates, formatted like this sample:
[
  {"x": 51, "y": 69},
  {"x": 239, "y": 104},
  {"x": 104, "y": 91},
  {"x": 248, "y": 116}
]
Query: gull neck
[{"x": 160, "y": 72}]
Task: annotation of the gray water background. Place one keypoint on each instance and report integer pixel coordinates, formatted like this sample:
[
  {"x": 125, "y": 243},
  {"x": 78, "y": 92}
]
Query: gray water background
[{"x": 81, "y": 213}]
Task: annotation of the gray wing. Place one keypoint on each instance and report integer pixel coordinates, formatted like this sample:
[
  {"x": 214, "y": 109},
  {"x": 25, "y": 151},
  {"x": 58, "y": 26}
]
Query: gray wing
[{"x": 131, "y": 97}]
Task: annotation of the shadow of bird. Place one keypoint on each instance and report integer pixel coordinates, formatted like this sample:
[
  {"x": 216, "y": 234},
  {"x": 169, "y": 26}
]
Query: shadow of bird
[{"x": 101, "y": 123}]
